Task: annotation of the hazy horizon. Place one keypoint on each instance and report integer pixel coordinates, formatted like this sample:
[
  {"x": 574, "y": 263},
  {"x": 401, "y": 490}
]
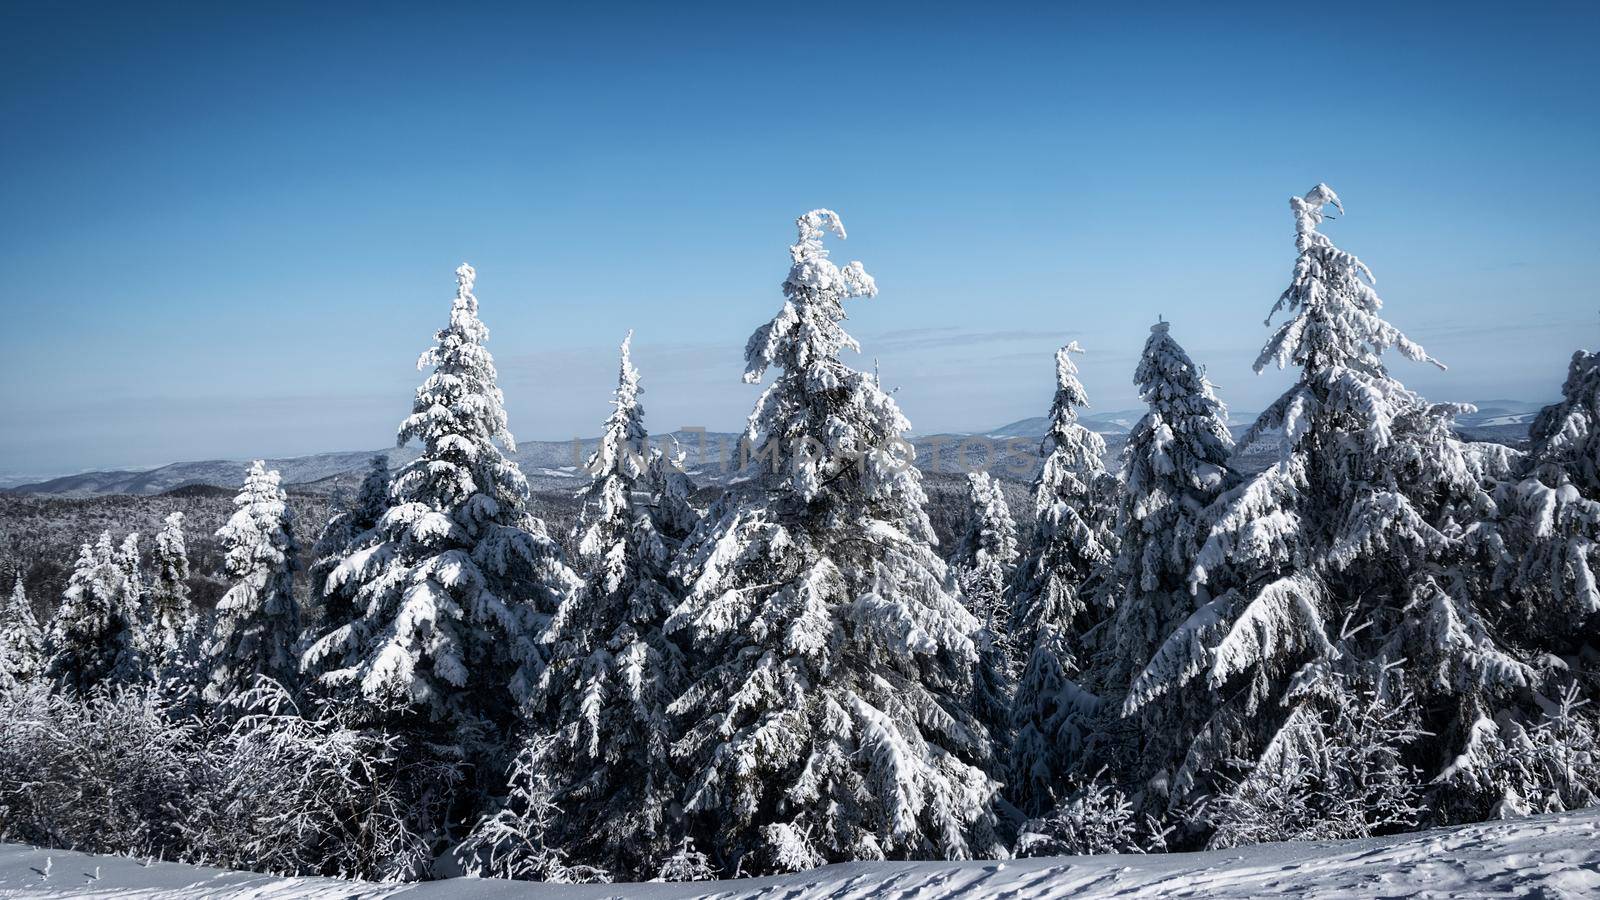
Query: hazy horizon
[
  {"x": 1089, "y": 415},
  {"x": 228, "y": 234}
]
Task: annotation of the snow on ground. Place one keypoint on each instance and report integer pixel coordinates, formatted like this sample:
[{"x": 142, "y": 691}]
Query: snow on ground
[{"x": 1554, "y": 856}]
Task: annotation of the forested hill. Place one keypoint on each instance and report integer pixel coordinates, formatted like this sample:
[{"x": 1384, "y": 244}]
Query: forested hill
[{"x": 711, "y": 456}]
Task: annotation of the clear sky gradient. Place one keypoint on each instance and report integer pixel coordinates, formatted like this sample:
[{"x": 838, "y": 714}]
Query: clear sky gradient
[{"x": 228, "y": 232}]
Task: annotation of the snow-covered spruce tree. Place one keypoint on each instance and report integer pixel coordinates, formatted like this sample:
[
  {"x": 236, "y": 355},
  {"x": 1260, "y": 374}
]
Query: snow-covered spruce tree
[
  {"x": 983, "y": 564},
  {"x": 1543, "y": 550},
  {"x": 829, "y": 717},
  {"x": 672, "y": 494},
  {"x": 169, "y": 616},
  {"x": 1549, "y": 524},
  {"x": 343, "y": 530},
  {"x": 21, "y": 641},
  {"x": 93, "y": 639},
  {"x": 985, "y": 558},
  {"x": 135, "y": 595},
  {"x": 1354, "y": 546},
  {"x": 1566, "y": 435},
  {"x": 1058, "y": 598},
  {"x": 128, "y": 564},
  {"x": 1073, "y": 499},
  {"x": 258, "y": 619},
  {"x": 1174, "y": 466},
  {"x": 456, "y": 581},
  {"x": 612, "y": 670}
]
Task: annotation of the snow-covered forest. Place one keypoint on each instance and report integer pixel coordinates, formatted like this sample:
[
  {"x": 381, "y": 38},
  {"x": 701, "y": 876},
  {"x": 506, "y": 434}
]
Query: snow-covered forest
[{"x": 1390, "y": 628}]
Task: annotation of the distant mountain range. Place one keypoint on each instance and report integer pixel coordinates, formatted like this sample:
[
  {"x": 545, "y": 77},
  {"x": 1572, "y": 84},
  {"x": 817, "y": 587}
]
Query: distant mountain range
[
  {"x": 1119, "y": 422},
  {"x": 1493, "y": 413},
  {"x": 1490, "y": 414},
  {"x": 548, "y": 465},
  {"x": 711, "y": 457}
]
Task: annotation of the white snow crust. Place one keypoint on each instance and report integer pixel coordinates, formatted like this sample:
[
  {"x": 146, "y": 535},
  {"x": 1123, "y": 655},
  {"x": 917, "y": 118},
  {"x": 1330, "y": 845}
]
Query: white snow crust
[{"x": 1550, "y": 856}]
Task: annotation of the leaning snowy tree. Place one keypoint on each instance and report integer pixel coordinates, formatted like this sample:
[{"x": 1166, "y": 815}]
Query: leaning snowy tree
[
  {"x": 342, "y": 531},
  {"x": 454, "y": 584},
  {"x": 613, "y": 671},
  {"x": 258, "y": 619},
  {"x": 1174, "y": 466},
  {"x": 829, "y": 717},
  {"x": 21, "y": 641},
  {"x": 93, "y": 639},
  {"x": 1059, "y": 597},
  {"x": 1354, "y": 550}
]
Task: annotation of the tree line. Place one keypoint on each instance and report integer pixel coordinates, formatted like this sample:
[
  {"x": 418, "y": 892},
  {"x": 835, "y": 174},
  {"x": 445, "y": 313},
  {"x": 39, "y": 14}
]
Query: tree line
[{"x": 1391, "y": 627}]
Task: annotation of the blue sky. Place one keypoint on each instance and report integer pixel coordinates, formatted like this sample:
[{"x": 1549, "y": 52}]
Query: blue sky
[{"x": 229, "y": 232}]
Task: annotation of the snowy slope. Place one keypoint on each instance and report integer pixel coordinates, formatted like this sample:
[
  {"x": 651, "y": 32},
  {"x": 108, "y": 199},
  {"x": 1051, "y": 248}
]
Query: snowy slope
[{"x": 1555, "y": 856}]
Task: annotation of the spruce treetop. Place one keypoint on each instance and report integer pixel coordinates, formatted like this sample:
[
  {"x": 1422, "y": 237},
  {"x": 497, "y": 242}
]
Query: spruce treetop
[
  {"x": 1332, "y": 304},
  {"x": 807, "y": 330}
]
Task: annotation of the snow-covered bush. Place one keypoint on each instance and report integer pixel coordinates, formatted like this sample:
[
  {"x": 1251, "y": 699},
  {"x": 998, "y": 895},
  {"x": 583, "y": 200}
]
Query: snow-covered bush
[
  {"x": 1333, "y": 771},
  {"x": 1510, "y": 768},
  {"x": 515, "y": 841},
  {"x": 298, "y": 794},
  {"x": 686, "y": 864},
  {"x": 109, "y": 770},
  {"x": 1564, "y": 752},
  {"x": 126, "y": 769},
  {"x": 1097, "y": 818}
]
